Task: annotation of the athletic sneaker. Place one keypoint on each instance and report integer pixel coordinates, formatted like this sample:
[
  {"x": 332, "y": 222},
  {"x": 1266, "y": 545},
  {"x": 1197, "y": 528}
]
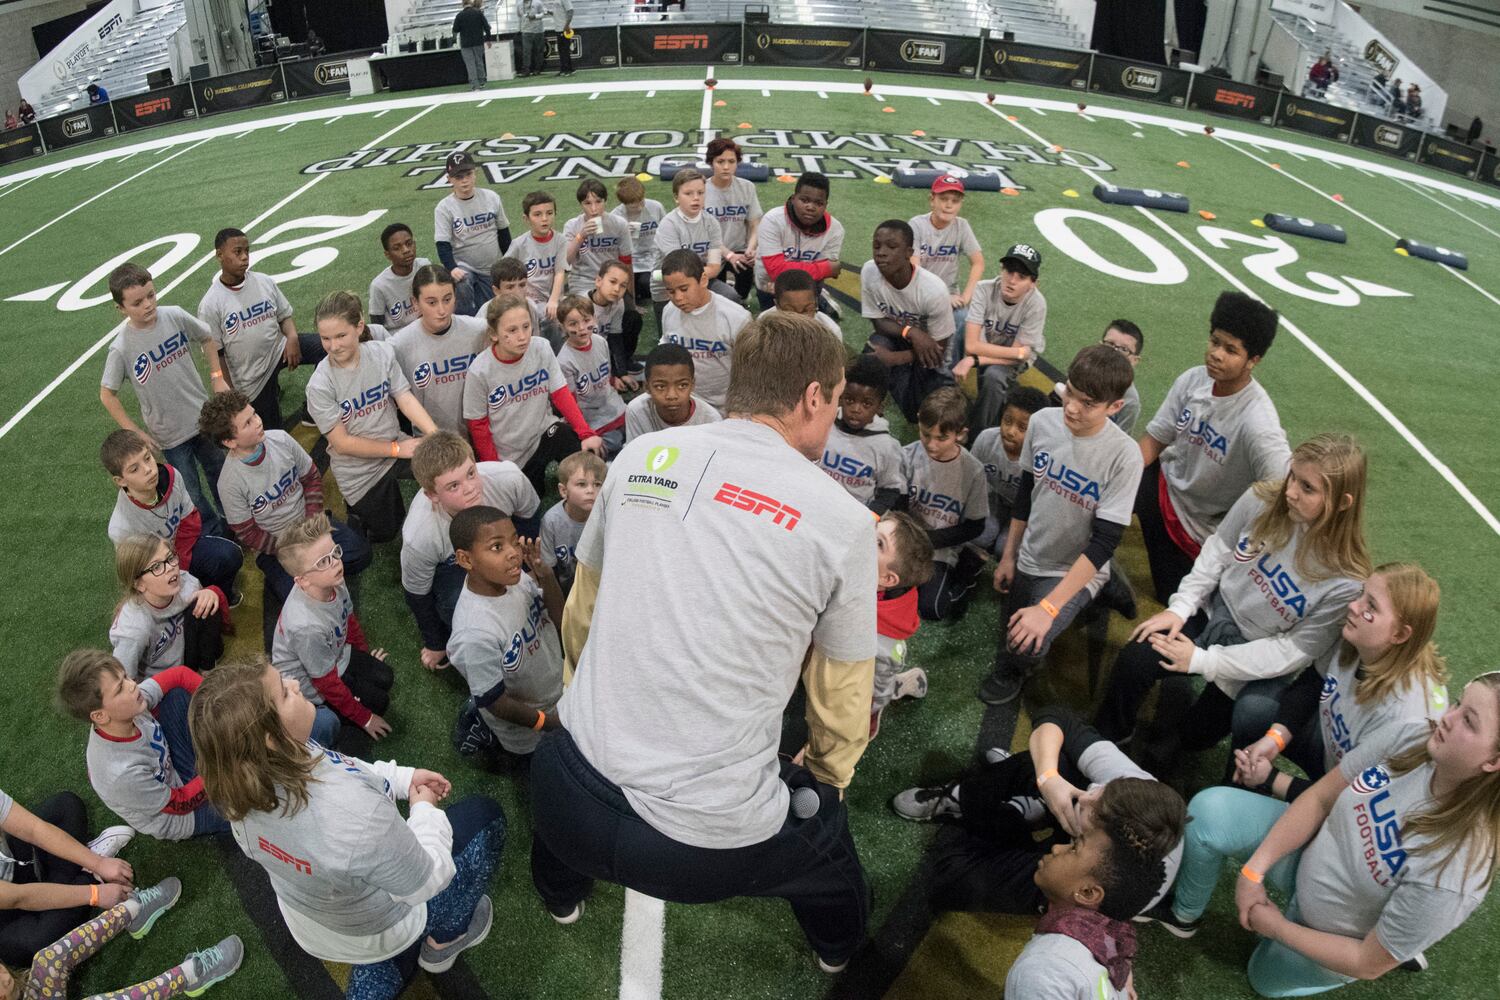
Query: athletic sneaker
[
  {"x": 995, "y": 755},
  {"x": 566, "y": 916},
  {"x": 1001, "y": 689},
  {"x": 1162, "y": 914},
  {"x": 111, "y": 841},
  {"x": 831, "y": 968},
  {"x": 155, "y": 901},
  {"x": 1417, "y": 963},
  {"x": 910, "y": 684},
  {"x": 434, "y": 959},
  {"x": 213, "y": 965},
  {"x": 923, "y": 804}
]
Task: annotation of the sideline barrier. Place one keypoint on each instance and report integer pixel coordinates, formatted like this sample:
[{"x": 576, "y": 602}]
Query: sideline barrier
[
  {"x": 1305, "y": 227},
  {"x": 1441, "y": 255},
  {"x": 1167, "y": 201},
  {"x": 905, "y": 178}
]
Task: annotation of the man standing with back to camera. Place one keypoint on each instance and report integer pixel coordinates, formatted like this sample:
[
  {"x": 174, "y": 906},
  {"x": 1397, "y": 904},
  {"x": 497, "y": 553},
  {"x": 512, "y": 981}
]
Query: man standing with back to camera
[
  {"x": 665, "y": 776},
  {"x": 470, "y": 25}
]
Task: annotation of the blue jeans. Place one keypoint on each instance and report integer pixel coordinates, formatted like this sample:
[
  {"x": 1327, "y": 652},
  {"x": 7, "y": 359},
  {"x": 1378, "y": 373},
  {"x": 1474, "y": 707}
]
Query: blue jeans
[
  {"x": 325, "y": 728},
  {"x": 195, "y": 454},
  {"x": 216, "y": 562},
  {"x": 472, "y": 293},
  {"x": 171, "y": 714},
  {"x": 478, "y": 837},
  {"x": 1231, "y": 823}
]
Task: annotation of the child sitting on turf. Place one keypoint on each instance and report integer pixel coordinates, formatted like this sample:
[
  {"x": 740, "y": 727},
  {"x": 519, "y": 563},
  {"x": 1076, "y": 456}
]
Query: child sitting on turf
[
  {"x": 153, "y": 342},
  {"x": 154, "y": 501},
  {"x": 353, "y": 397},
  {"x": 435, "y": 352},
  {"x": 999, "y": 449},
  {"x": 703, "y": 323},
  {"x": 1004, "y": 330},
  {"x": 1127, "y": 338},
  {"x": 471, "y": 232},
  {"x": 536, "y": 251},
  {"x": 585, "y": 363},
  {"x": 945, "y": 490},
  {"x": 392, "y": 304},
  {"x": 505, "y": 641},
  {"x": 910, "y": 315},
  {"x": 508, "y": 277},
  {"x": 579, "y": 478},
  {"x": 615, "y": 317},
  {"x": 166, "y": 616},
  {"x": 593, "y": 237},
  {"x": 1079, "y": 474},
  {"x": 687, "y": 227},
  {"x": 668, "y": 400},
  {"x": 643, "y": 215},
  {"x": 943, "y": 236},
  {"x": 140, "y": 755},
  {"x": 451, "y": 481},
  {"x": 796, "y": 292},
  {"x": 799, "y": 235},
  {"x": 860, "y": 454},
  {"x": 268, "y": 484},
  {"x": 903, "y": 564},
  {"x": 510, "y": 395},
  {"x": 247, "y": 310},
  {"x": 319, "y": 643}
]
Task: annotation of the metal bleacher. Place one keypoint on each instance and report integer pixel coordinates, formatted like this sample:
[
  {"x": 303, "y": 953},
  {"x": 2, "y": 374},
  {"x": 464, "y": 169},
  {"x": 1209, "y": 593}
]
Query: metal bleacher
[
  {"x": 1356, "y": 87},
  {"x": 1034, "y": 21},
  {"x": 139, "y": 46}
]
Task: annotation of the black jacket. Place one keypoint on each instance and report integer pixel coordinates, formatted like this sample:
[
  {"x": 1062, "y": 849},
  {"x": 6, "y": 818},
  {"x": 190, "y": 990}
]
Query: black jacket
[{"x": 470, "y": 26}]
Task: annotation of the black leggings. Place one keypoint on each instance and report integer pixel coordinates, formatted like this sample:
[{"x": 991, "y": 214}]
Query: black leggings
[
  {"x": 370, "y": 680},
  {"x": 25, "y": 932},
  {"x": 622, "y": 345},
  {"x": 558, "y": 442},
  {"x": 1169, "y": 564}
]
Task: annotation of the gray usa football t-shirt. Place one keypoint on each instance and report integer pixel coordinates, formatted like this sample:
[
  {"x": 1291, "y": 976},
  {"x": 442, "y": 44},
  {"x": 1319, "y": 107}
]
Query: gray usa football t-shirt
[
  {"x": 160, "y": 363},
  {"x": 435, "y": 365},
  {"x": 268, "y": 492},
  {"x": 472, "y": 227},
  {"x": 939, "y": 250},
  {"x": 708, "y": 334},
  {"x": 737, "y": 207},
  {"x": 944, "y": 494},
  {"x": 361, "y": 398},
  {"x": 923, "y": 303},
  {"x": 612, "y": 243},
  {"x": 247, "y": 320},
  {"x": 391, "y": 296}
]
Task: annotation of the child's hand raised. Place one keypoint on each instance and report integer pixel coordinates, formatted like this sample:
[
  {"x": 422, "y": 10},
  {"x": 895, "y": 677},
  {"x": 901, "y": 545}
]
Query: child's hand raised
[
  {"x": 531, "y": 556},
  {"x": 205, "y": 603}
]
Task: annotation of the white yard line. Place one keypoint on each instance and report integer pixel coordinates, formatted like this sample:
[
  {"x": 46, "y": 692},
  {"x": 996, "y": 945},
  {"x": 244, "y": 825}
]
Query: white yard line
[
  {"x": 288, "y": 125},
  {"x": 641, "y": 947},
  {"x": 485, "y": 104},
  {"x": 934, "y": 102},
  {"x": 1445, "y": 205},
  {"x": 706, "y": 115}
]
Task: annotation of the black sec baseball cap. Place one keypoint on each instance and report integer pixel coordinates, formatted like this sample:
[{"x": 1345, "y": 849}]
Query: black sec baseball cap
[
  {"x": 1023, "y": 257},
  {"x": 460, "y": 163}
]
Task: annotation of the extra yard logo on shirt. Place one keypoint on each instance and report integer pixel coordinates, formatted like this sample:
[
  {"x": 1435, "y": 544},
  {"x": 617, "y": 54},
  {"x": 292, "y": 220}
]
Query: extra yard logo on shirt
[
  {"x": 365, "y": 403},
  {"x": 1279, "y": 587},
  {"x": 277, "y": 494},
  {"x": 757, "y": 504},
  {"x": 1379, "y": 826},
  {"x": 525, "y": 387},
  {"x": 442, "y": 371},
  {"x": 470, "y": 224},
  {"x": 1203, "y": 435},
  {"x": 1068, "y": 483},
  {"x": 246, "y": 318},
  {"x": 160, "y": 356}
]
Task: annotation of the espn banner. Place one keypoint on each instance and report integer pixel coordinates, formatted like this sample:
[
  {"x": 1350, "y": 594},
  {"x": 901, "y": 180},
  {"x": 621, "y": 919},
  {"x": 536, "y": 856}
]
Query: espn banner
[
  {"x": 1315, "y": 118},
  {"x": 591, "y": 48},
  {"x": 1034, "y": 64},
  {"x": 1489, "y": 169},
  {"x": 1454, "y": 157},
  {"x": 1223, "y": 96},
  {"x": 1142, "y": 80},
  {"x": 244, "y": 89},
  {"x": 155, "y": 107},
  {"x": 913, "y": 52},
  {"x": 316, "y": 77},
  {"x": 73, "y": 127},
  {"x": 1386, "y": 137},
  {"x": 804, "y": 45},
  {"x": 647, "y": 44},
  {"x": 19, "y": 143}
]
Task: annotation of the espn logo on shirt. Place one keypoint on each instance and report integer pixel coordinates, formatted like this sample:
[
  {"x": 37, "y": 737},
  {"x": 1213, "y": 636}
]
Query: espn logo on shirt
[
  {"x": 757, "y": 504},
  {"x": 298, "y": 864}
]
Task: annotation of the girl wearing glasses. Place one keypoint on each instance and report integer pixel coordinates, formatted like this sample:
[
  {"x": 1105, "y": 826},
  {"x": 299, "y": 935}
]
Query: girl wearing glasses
[{"x": 165, "y": 616}]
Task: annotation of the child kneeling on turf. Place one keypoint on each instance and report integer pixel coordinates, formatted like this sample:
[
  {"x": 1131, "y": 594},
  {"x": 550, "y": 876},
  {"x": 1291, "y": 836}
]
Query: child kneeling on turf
[
  {"x": 505, "y": 642},
  {"x": 318, "y": 641},
  {"x": 903, "y": 564},
  {"x": 861, "y": 454},
  {"x": 580, "y": 476},
  {"x": 140, "y": 757},
  {"x": 587, "y": 368},
  {"x": 669, "y": 400},
  {"x": 945, "y": 490},
  {"x": 166, "y": 616},
  {"x": 999, "y": 450}
]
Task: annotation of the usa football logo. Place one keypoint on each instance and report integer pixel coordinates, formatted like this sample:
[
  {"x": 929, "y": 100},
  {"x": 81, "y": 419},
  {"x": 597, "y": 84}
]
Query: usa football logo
[
  {"x": 1245, "y": 550},
  {"x": 1371, "y": 780},
  {"x": 231, "y": 324},
  {"x": 259, "y": 504},
  {"x": 1330, "y": 688},
  {"x": 346, "y": 410},
  {"x": 1184, "y": 418},
  {"x": 512, "y": 656},
  {"x": 422, "y": 375},
  {"x": 1040, "y": 461},
  {"x": 142, "y": 369}
]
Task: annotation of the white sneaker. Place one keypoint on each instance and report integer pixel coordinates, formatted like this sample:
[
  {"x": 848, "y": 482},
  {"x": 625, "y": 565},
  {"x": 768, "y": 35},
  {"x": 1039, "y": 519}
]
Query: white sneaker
[
  {"x": 995, "y": 755},
  {"x": 111, "y": 841}
]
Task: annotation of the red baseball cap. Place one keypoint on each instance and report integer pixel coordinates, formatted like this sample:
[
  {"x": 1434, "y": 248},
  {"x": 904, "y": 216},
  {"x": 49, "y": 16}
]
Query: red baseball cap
[{"x": 947, "y": 182}]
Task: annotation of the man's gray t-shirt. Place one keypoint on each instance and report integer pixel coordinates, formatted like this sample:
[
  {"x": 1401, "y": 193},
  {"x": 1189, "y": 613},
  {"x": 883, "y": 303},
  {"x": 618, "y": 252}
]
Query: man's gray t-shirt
[
  {"x": 677, "y": 232},
  {"x": 864, "y": 462},
  {"x": 160, "y": 363},
  {"x": 762, "y": 556},
  {"x": 508, "y": 640},
  {"x": 473, "y": 227},
  {"x": 613, "y": 243},
  {"x": 708, "y": 334},
  {"x": 425, "y": 544},
  {"x": 1076, "y": 480},
  {"x": 1005, "y": 325},
  {"x": 943, "y": 494},
  {"x": 938, "y": 250},
  {"x": 515, "y": 397},
  {"x": 1363, "y": 871},
  {"x": 541, "y": 260},
  {"x": 923, "y": 303},
  {"x": 391, "y": 296},
  {"x": 435, "y": 365},
  {"x": 362, "y": 398},
  {"x": 641, "y": 416},
  {"x": 1056, "y": 967},
  {"x": 1215, "y": 447},
  {"x": 1359, "y": 735},
  {"x": 737, "y": 208},
  {"x": 147, "y": 639},
  {"x": 269, "y": 493},
  {"x": 247, "y": 321},
  {"x": 312, "y": 639}
]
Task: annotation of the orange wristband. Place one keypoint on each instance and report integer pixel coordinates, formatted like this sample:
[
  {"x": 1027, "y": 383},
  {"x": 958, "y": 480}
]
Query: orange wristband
[
  {"x": 1252, "y": 874},
  {"x": 94, "y": 894},
  {"x": 906, "y": 333},
  {"x": 1046, "y": 776},
  {"x": 541, "y": 720},
  {"x": 395, "y": 449},
  {"x": 1280, "y": 743},
  {"x": 1048, "y": 607},
  {"x": 214, "y": 375}
]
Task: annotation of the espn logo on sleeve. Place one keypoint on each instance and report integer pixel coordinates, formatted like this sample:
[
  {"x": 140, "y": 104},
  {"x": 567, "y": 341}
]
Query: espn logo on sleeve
[{"x": 758, "y": 503}]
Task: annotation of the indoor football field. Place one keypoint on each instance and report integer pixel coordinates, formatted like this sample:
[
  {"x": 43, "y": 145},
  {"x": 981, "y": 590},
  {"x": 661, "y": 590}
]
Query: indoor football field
[{"x": 1401, "y": 351}]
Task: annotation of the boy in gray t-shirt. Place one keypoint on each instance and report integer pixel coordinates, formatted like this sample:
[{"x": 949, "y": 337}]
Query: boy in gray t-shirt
[
  {"x": 1079, "y": 478},
  {"x": 580, "y": 476},
  {"x": 999, "y": 451},
  {"x": 910, "y": 316},
  {"x": 471, "y": 232}
]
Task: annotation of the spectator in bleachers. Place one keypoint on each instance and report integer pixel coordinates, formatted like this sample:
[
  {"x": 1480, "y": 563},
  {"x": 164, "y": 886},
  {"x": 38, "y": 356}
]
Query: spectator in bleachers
[
  {"x": 11, "y": 121},
  {"x": 470, "y": 25},
  {"x": 1323, "y": 73},
  {"x": 97, "y": 94},
  {"x": 1414, "y": 101},
  {"x": 1398, "y": 103},
  {"x": 26, "y": 112}
]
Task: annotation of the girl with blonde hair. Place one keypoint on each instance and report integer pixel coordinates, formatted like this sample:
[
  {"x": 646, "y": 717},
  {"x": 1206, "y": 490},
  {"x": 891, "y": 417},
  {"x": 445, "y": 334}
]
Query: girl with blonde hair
[{"x": 165, "y": 616}]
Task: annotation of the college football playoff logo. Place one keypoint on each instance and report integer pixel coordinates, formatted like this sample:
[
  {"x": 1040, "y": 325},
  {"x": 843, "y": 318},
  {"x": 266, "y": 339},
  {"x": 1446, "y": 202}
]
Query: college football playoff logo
[
  {"x": 1388, "y": 136},
  {"x": 331, "y": 72}
]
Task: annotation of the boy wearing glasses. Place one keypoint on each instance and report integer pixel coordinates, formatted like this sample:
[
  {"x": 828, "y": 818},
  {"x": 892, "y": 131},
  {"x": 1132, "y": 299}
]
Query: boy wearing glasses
[
  {"x": 1125, "y": 337},
  {"x": 318, "y": 641}
]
